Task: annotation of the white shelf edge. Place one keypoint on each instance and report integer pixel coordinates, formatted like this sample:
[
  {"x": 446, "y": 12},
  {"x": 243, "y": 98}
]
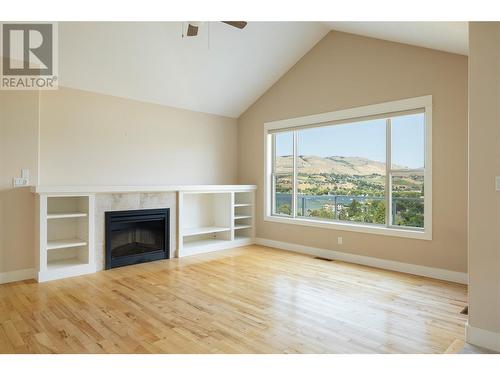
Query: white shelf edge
[
  {"x": 64, "y": 215},
  {"x": 204, "y": 230},
  {"x": 237, "y": 217},
  {"x": 243, "y": 205},
  {"x": 63, "y": 244},
  {"x": 204, "y": 242},
  {"x": 63, "y": 263},
  {"x": 236, "y": 227}
]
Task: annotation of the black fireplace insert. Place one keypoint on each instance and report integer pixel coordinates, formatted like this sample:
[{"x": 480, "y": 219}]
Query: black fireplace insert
[{"x": 137, "y": 236}]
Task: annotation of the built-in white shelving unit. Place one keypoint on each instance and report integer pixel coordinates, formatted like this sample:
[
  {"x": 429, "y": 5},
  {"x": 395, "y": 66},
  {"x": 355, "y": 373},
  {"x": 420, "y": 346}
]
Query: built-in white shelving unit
[
  {"x": 66, "y": 236},
  {"x": 215, "y": 220},
  {"x": 210, "y": 218}
]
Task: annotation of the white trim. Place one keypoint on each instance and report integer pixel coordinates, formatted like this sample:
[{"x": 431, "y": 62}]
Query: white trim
[
  {"x": 60, "y": 189},
  {"x": 38, "y": 142},
  {"x": 483, "y": 338},
  {"x": 19, "y": 275},
  {"x": 351, "y": 227},
  {"x": 65, "y": 272},
  {"x": 424, "y": 102},
  {"x": 414, "y": 269},
  {"x": 294, "y": 177},
  {"x": 352, "y": 113},
  {"x": 388, "y": 167}
]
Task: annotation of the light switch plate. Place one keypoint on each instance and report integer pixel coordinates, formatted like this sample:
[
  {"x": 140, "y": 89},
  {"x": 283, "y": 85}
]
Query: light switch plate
[{"x": 497, "y": 183}]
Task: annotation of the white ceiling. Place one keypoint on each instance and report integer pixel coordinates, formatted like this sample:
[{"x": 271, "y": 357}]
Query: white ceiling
[
  {"x": 222, "y": 74},
  {"x": 445, "y": 36},
  {"x": 150, "y": 61}
]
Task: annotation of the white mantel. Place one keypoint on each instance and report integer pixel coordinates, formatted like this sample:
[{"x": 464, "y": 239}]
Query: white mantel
[{"x": 61, "y": 189}]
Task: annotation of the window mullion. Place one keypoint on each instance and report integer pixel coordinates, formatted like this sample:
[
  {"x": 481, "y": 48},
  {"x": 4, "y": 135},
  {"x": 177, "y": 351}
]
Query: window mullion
[
  {"x": 388, "y": 167},
  {"x": 294, "y": 185},
  {"x": 273, "y": 174}
]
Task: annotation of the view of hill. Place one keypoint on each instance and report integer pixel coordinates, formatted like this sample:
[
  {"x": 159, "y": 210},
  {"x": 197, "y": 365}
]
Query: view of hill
[
  {"x": 348, "y": 188},
  {"x": 344, "y": 175},
  {"x": 345, "y": 165}
]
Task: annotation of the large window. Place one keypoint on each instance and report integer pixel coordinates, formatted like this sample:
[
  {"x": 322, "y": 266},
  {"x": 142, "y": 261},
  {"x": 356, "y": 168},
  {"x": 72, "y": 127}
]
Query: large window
[{"x": 364, "y": 168}]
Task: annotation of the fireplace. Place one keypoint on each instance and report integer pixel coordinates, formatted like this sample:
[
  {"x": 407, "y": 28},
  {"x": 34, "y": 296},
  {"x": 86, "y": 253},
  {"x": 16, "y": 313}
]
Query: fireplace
[{"x": 136, "y": 236}]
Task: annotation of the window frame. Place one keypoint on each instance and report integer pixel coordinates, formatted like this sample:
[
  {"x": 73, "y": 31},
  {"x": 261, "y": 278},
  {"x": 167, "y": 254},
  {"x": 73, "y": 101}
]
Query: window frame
[{"x": 352, "y": 115}]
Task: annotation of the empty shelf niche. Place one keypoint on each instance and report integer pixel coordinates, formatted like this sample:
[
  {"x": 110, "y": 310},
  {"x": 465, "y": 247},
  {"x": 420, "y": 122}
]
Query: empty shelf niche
[
  {"x": 243, "y": 199},
  {"x": 243, "y": 215},
  {"x": 67, "y": 207},
  {"x": 67, "y": 231},
  {"x": 68, "y": 256},
  {"x": 207, "y": 240},
  {"x": 205, "y": 219},
  {"x": 205, "y": 213},
  {"x": 243, "y": 233}
]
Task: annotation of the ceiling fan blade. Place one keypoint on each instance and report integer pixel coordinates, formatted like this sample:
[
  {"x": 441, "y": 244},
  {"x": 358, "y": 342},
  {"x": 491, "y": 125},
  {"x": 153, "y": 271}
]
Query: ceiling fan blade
[
  {"x": 192, "y": 30},
  {"x": 237, "y": 24}
]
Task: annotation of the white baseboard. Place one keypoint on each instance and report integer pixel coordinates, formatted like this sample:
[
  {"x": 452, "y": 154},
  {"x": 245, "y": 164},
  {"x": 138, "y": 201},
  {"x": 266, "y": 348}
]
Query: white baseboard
[
  {"x": 435, "y": 273},
  {"x": 483, "y": 338},
  {"x": 19, "y": 275},
  {"x": 62, "y": 273}
]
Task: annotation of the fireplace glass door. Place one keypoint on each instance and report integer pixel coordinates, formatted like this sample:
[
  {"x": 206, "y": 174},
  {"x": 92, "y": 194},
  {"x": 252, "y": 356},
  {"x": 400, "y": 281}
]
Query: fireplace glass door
[{"x": 136, "y": 236}]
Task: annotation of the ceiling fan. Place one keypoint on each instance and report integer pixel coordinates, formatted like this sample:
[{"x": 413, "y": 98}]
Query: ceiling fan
[{"x": 192, "y": 27}]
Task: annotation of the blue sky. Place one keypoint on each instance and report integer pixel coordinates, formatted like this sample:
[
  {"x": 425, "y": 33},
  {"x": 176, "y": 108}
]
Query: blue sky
[{"x": 365, "y": 139}]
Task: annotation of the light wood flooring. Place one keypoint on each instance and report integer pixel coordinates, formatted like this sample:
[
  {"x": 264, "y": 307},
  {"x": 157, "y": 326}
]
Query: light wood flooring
[{"x": 246, "y": 300}]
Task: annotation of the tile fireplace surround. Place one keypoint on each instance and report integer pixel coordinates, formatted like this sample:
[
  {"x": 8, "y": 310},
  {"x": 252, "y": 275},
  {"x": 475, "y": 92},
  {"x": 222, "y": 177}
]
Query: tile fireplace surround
[{"x": 131, "y": 201}]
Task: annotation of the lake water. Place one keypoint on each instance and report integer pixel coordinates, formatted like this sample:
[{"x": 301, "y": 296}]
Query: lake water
[{"x": 315, "y": 202}]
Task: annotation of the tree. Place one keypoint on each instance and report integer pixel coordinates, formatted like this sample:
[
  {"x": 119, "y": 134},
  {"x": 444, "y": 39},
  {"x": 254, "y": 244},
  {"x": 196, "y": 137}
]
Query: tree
[{"x": 284, "y": 209}]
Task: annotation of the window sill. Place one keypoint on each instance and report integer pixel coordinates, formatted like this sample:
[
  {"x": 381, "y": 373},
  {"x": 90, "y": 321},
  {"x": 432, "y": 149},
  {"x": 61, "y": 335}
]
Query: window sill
[{"x": 369, "y": 229}]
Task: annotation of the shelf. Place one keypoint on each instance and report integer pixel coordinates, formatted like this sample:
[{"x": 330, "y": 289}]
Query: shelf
[
  {"x": 236, "y": 227},
  {"x": 204, "y": 242},
  {"x": 242, "y": 205},
  {"x": 63, "y": 263},
  {"x": 236, "y": 217},
  {"x": 64, "y": 215},
  {"x": 203, "y": 230},
  {"x": 62, "y": 244}
]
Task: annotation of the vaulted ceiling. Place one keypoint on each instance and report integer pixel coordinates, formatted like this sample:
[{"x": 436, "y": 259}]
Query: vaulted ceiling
[
  {"x": 221, "y": 71},
  {"x": 445, "y": 36}
]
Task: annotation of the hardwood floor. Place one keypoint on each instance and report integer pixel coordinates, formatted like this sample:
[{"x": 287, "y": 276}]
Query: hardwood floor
[{"x": 246, "y": 300}]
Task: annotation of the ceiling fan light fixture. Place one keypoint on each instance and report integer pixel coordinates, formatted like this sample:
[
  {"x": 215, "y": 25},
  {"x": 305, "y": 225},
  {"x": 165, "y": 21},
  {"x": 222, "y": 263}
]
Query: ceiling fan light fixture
[{"x": 194, "y": 26}]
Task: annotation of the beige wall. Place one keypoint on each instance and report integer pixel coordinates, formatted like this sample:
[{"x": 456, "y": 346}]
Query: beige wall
[
  {"x": 93, "y": 139},
  {"x": 344, "y": 71},
  {"x": 18, "y": 149},
  {"x": 484, "y": 156}
]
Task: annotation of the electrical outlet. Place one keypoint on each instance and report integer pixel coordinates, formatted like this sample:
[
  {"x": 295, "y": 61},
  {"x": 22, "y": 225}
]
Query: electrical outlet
[
  {"x": 19, "y": 182},
  {"x": 339, "y": 240},
  {"x": 497, "y": 183},
  {"x": 24, "y": 180}
]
